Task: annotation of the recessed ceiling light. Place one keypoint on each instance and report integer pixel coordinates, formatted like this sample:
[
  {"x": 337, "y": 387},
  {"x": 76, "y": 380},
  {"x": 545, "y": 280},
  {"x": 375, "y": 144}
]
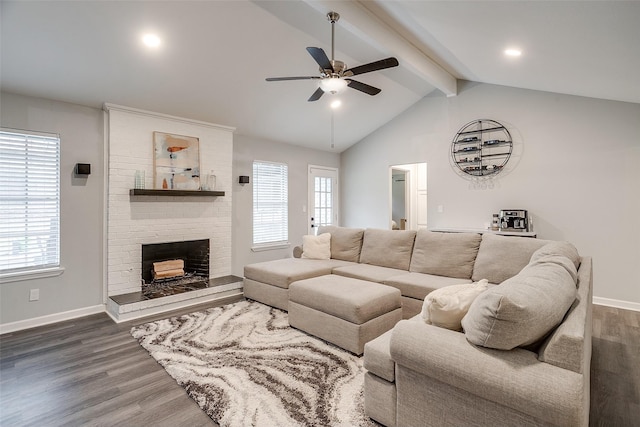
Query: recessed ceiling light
[
  {"x": 336, "y": 103},
  {"x": 151, "y": 40},
  {"x": 513, "y": 52}
]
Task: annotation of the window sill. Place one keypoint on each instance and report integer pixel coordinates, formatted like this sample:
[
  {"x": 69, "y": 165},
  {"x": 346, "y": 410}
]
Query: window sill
[
  {"x": 31, "y": 274},
  {"x": 268, "y": 247}
]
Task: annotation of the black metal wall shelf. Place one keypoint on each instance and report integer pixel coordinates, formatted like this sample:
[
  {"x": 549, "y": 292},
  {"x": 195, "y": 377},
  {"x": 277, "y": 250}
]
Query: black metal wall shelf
[
  {"x": 484, "y": 154},
  {"x": 173, "y": 193}
]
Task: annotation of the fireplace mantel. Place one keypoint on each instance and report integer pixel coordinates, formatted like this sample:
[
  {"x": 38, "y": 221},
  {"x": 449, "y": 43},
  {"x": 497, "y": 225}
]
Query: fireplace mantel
[{"x": 172, "y": 193}]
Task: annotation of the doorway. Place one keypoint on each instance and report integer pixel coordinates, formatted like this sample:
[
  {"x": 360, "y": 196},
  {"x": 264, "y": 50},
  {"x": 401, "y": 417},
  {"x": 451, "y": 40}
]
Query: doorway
[
  {"x": 323, "y": 197},
  {"x": 408, "y": 196},
  {"x": 399, "y": 198}
]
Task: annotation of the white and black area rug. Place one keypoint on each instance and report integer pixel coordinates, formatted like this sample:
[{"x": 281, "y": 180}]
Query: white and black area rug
[{"x": 245, "y": 366}]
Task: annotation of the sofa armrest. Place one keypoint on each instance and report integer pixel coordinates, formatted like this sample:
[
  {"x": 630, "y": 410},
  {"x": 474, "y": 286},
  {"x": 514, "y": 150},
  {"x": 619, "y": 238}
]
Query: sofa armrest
[{"x": 514, "y": 378}]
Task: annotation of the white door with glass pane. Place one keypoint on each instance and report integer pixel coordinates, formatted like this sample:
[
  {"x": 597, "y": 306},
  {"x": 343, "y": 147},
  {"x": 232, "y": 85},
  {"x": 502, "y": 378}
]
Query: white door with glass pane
[{"x": 323, "y": 197}]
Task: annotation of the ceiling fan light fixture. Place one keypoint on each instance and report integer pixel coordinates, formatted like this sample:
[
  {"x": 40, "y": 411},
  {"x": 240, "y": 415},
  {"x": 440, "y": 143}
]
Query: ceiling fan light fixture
[
  {"x": 333, "y": 85},
  {"x": 513, "y": 52},
  {"x": 151, "y": 40}
]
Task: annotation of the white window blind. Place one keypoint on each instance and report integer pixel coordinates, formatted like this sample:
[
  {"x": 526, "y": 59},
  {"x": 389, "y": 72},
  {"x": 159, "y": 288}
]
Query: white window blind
[
  {"x": 29, "y": 201},
  {"x": 270, "y": 203}
]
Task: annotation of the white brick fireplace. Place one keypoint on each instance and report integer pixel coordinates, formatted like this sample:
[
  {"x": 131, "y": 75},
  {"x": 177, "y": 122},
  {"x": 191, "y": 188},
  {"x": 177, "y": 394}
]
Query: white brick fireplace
[{"x": 136, "y": 220}]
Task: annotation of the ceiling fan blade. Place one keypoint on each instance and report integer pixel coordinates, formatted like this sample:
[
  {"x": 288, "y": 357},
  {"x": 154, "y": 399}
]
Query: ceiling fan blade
[
  {"x": 372, "y": 66},
  {"x": 320, "y": 57},
  {"x": 279, "y": 79},
  {"x": 316, "y": 95},
  {"x": 363, "y": 87}
]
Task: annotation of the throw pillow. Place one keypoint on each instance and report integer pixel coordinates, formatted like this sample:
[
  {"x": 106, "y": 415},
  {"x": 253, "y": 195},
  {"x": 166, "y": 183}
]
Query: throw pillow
[
  {"x": 316, "y": 247},
  {"x": 445, "y": 307},
  {"x": 525, "y": 308},
  {"x": 558, "y": 248}
]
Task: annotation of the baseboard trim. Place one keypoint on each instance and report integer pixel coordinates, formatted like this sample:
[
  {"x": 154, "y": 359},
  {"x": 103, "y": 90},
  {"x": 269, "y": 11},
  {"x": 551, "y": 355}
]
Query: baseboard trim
[
  {"x": 626, "y": 305},
  {"x": 19, "y": 325}
]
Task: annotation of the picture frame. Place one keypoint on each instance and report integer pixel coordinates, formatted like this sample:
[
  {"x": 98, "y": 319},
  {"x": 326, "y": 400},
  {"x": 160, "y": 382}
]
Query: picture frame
[{"x": 176, "y": 162}]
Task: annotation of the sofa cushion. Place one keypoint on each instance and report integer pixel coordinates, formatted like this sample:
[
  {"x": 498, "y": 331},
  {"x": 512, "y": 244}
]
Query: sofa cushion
[
  {"x": 282, "y": 272},
  {"x": 419, "y": 285},
  {"x": 345, "y": 242},
  {"x": 445, "y": 307},
  {"x": 445, "y": 254},
  {"x": 372, "y": 273},
  {"x": 353, "y": 300},
  {"x": 387, "y": 248},
  {"x": 502, "y": 257},
  {"x": 525, "y": 308},
  {"x": 316, "y": 247}
]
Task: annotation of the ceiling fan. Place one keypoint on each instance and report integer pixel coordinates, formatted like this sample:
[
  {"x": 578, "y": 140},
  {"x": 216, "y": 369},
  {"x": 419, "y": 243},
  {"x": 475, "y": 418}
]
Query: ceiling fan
[{"x": 334, "y": 75}]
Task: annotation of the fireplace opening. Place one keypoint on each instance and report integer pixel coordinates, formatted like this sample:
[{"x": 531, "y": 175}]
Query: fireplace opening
[{"x": 176, "y": 265}]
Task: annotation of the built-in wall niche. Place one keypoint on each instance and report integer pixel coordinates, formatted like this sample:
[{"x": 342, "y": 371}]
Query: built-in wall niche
[{"x": 408, "y": 196}]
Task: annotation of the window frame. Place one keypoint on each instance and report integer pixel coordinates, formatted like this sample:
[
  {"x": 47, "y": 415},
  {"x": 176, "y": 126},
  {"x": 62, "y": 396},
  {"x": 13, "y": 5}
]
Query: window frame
[
  {"x": 42, "y": 189},
  {"x": 283, "y": 213}
]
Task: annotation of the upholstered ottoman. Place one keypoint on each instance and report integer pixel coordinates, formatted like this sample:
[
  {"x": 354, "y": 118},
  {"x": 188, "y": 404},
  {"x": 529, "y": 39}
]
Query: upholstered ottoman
[{"x": 344, "y": 311}]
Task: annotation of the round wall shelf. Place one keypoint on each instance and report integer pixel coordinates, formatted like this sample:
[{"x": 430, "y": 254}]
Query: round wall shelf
[{"x": 481, "y": 148}]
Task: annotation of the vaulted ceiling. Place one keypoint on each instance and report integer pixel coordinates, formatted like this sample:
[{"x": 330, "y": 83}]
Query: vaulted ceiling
[{"x": 214, "y": 56}]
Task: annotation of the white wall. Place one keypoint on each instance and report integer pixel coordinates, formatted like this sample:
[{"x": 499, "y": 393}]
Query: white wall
[
  {"x": 81, "y": 209},
  {"x": 576, "y": 170},
  {"x": 245, "y": 151},
  {"x": 134, "y": 221}
]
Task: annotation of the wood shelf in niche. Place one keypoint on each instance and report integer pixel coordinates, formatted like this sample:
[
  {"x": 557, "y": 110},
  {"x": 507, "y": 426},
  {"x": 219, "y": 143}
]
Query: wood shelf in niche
[{"x": 173, "y": 193}]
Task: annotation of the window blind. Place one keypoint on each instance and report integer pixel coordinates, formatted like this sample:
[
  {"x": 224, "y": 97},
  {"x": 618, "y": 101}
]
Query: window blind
[
  {"x": 29, "y": 201},
  {"x": 270, "y": 203}
]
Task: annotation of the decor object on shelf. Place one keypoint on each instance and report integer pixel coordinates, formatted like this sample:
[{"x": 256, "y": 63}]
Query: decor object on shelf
[
  {"x": 139, "y": 180},
  {"x": 176, "y": 162},
  {"x": 334, "y": 74},
  {"x": 481, "y": 148},
  {"x": 209, "y": 182}
]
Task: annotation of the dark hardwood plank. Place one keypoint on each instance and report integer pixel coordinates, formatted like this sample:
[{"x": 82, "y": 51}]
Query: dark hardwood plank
[
  {"x": 90, "y": 371},
  {"x": 615, "y": 367}
]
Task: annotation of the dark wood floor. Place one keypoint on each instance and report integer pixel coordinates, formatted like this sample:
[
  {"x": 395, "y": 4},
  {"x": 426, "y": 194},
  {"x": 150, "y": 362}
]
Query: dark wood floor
[{"x": 90, "y": 371}]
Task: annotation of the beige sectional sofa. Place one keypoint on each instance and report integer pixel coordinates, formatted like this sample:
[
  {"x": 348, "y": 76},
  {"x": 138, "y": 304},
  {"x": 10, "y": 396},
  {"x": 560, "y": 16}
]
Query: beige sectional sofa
[{"x": 524, "y": 356}]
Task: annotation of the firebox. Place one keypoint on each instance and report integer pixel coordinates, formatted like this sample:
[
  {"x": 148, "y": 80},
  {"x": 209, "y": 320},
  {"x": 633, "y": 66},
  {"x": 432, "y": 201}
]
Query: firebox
[{"x": 190, "y": 256}]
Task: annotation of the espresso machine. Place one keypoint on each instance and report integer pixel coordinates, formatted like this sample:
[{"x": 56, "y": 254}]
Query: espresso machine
[{"x": 514, "y": 220}]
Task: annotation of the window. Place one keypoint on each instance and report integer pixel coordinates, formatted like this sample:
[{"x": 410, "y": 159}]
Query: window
[
  {"x": 270, "y": 204},
  {"x": 29, "y": 201}
]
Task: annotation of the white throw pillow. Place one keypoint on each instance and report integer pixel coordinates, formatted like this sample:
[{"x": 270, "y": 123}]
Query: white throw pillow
[
  {"x": 445, "y": 307},
  {"x": 316, "y": 247}
]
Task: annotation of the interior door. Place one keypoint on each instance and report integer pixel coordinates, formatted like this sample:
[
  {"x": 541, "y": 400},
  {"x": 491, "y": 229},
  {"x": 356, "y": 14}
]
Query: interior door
[{"x": 323, "y": 197}]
